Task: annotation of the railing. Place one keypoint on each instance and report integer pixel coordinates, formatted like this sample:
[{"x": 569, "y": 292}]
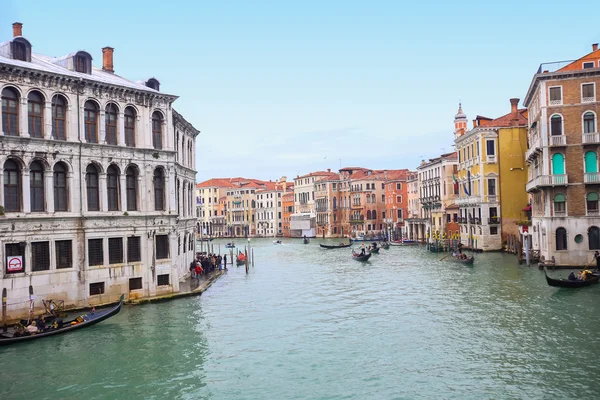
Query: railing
[
  {"x": 593, "y": 213},
  {"x": 491, "y": 158},
  {"x": 590, "y": 138},
  {"x": 560, "y": 213},
  {"x": 492, "y": 198},
  {"x": 591, "y": 177},
  {"x": 547, "y": 180},
  {"x": 558, "y": 140},
  {"x": 469, "y": 200},
  {"x": 536, "y": 144},
  {"x": 357, "y": 221},
  {"x": 588, "y": 99},
  {"x": 493, "y": 220},
  {"x": 555, "y": 102}
]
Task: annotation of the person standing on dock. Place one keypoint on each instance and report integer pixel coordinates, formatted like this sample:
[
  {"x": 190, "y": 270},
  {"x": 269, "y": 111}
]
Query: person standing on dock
[{"x": 225, "y": 260}]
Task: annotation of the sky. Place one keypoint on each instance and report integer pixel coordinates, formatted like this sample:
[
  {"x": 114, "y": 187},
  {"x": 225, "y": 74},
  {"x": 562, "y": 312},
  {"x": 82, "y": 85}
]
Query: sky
[{"x": 282, "y": 88}]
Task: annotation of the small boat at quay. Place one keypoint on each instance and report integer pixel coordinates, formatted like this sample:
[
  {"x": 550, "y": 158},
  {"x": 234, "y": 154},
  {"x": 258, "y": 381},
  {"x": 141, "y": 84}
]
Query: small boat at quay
[
  {"x": 572, "y": 283},
  {"x": 230, "y": 245},
  {"x": 18, "y": 333},
  {"x": 205, "y": 239},
  {"x": 361, "y": 257},
  {"x": 337, "y": 246},
  {"x": 367, "y": 239}
]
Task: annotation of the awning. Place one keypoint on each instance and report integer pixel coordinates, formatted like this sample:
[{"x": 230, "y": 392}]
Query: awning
[{"x": 528, "y": 208}]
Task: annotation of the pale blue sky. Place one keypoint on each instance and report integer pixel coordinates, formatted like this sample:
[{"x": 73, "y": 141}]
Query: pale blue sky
[{"x": 281, "y": 88}]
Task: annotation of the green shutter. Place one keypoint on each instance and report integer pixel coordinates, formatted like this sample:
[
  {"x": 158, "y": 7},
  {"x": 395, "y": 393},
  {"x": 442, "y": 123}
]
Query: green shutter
[
  {"x": 559, "y": 198},
  {"x": 558, "y": 164},
  {"x": 590, "y": 162},
  {"x": 592, "y": 196}
]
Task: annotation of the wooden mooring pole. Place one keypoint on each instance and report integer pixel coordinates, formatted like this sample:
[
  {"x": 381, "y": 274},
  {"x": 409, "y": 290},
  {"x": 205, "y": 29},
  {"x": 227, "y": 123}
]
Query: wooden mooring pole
[{"x": 4, "y": 309}]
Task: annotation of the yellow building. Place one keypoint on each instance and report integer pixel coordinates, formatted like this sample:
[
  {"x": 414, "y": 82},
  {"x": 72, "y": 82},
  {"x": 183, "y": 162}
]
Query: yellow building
[{"x": 491, "y": 177}]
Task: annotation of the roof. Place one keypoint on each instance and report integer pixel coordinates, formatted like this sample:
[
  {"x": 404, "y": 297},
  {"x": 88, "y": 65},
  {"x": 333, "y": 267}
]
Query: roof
[
  {"x": 577, "y": 65},
  {"x": 48, "y": 64},
  {"x": 317, "y": 173},
  {"x": 507, "y": 120},
  {"x": 216, "y": 182}
]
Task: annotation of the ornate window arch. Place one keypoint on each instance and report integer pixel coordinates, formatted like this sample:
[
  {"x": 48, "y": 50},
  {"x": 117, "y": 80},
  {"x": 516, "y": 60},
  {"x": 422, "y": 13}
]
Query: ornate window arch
[
  {"x": 10, "y": 111},
  {"x": 589, "y": 122},
  {"x": 61, "y": 202},
  {"x": 90, "y": 118},
  {"x": 92, "y": 187},
  {"x": 112, "y": 187},
  {"x": 561, "y": 239},
  {"x": 36, "y": 186},
  {"x": 157, "y": 130},
  {"x": 35, "y": 114},
  {"x": 130, "y": 119},
  {"x": 556, "y": 125},
  {"x": 593, "y": 238},
  {"x": 159, "y": 189},
  {"x": 111, "y": 117},
  {"x": 59, "y": 117}
]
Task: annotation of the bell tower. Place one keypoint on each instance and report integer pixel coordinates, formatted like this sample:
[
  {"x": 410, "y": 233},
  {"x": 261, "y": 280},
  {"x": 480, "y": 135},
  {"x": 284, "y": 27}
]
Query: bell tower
[{"x": 460, "y": 122}]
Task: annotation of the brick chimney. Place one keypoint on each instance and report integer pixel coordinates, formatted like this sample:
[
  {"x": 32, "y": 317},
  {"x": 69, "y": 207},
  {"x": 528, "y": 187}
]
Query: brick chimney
[
  {"x": 595, "y": 47},
  {"x": 17, "y": 29},
  {"x": 107, "y": 59},
  {"x": 328, "y": 169},
  {"x": 514, "y": 103},
  {"x": 475, "y": 123}
]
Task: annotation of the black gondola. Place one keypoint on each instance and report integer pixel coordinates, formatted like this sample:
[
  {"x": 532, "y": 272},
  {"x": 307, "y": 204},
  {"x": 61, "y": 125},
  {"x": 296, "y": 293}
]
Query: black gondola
[
  {"x": 374, "y": 249},
  {"x": 67, "y": 326},
  {"x": 359, "y": 257},
  {"x": 306, "y": 241},
  {"x": 467, "y": 261},
  {"x": 339, "y": 246},
  {"x": 573, "y": 284}
]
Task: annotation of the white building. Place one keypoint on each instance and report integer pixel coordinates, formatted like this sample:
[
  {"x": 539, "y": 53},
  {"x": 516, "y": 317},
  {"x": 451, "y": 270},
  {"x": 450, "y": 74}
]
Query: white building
[
  {"x": 303, "y": 221},
  {"x": 97, "y": 181}
]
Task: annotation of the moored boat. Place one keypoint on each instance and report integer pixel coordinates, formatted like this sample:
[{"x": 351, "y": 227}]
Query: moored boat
[
  {"x": 230, "y": 245},
  {"x": 374, "y": 249},
  {"x": 339, "y": 246},
  {"x": 82, "y": 321},
  {"x": 571, "y": 283}
]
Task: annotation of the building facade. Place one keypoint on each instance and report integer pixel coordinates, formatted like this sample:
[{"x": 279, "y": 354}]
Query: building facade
[
  {"x": 96, "y": 183},
  {"x": 416, "y": 221},
  {"x": 564, "y": 180}
]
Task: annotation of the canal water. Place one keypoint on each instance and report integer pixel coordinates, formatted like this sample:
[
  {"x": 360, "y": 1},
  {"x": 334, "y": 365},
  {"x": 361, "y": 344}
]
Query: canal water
[{"x": 307, "y": 323}]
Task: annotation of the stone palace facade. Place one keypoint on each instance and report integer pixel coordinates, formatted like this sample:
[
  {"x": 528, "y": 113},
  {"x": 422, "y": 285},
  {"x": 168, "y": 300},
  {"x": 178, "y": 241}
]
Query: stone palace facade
[{"x": 96, "y": 183}]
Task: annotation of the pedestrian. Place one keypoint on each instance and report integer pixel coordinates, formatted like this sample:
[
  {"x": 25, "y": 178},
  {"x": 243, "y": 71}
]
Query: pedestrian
[
  {"x": 198, "y": 271},
  {"x": 193, "y": 269},
  {"x": 225, "y": 260}
]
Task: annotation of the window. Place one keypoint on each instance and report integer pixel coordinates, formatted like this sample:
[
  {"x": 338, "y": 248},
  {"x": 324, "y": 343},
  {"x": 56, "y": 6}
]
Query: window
[
  {"x": 159, "y": 189},
  {"x": 10, "y": 112},
  {"x": 399, "y": 213},
  {"x": 19, "y": 51},
  {"x": 130, "y": 117},
  {"x": 398, "y": 199},
  {"x": 111, "y": 124},
  {"x": 184, "y": 244},
  {"x": 115, "y": 250},
  {"x": 131, "y": 187},
  {"x": 588, "y": 64},
  {"x": 96, "y": 288},
  {"x": 157, "y": 130},
  {"x": 35, "y": 114},
  {"x": 40, "y": 256},
  {"x": 556, "y": 125},
  {"x": 135, "y": 284},
  {"x": 560, "y": 204},
  {"x": 588, "y": 92},
  {"x": 64, "y": 254},
  {"x": 398, "y": 186},
  {"x": 558, "y": 164},
  {"x": 591, "y": 201},
  {"x": 90, "y": 118},
  {"x": 493, "y": 230},
  {"x": 162, "y": 247},
  {"x": 60, "y": 187},
  {"x": 448, "y": 218},
  {"x": 95, "y": 252},
  {"x": 591, "y": 162},
  {"x": 36, "y": 186},
  {"x": 491, "y": 187},
  {"x": 555, "y": 95},
  {"x": 490, "y": 148},
  {"x": 589, "y": 122},
  {"x": 134, "y": 253},
  {"x": 91, "y": 181},
  {"x": 561, "y": 239},
  {"x": 112, "y": 187},
  {"x": 594, "y": 238},
  {"x": 59, "y": 118},
  {"x": 162, "y": 280},
  {"x": 12, "y": 186}
]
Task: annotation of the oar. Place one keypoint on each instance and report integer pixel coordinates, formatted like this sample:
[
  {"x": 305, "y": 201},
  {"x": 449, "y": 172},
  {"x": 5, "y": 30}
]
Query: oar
[{"x": 445, "y": 256}]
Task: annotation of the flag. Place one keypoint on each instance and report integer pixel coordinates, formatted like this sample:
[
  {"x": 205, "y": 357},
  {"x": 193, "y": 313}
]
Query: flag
[
  {"x": 455, "y": 183},
  {"x": 466, "y": 190},
  {"x": 469, "y": 181}
]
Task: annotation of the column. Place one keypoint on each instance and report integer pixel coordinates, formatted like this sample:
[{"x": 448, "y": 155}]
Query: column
[
  {"x": 49, "y": 190},
  {"x": 121, "y": 129},
  {"x": 123, "y": 190},
  {"x": 48, "y": 120},
  {"x": 26, "y": 191},
  {"x": 23, "y": 125},
  {"x": 102, "y": 126},
  {"x": 102, "y": 190},
  {"x": 1, "y": 177}
]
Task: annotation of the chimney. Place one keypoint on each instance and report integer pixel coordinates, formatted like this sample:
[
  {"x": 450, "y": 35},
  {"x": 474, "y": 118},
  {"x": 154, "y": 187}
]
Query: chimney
[
  {"x": 17, "y": 29},
  {"x": 107, "y": 59},
  {"x": 595, "y": 47},
  {"x": 514, "y": 103},
  {"x": 328, "y": 169},
  {"x": 475, "y": 123}
]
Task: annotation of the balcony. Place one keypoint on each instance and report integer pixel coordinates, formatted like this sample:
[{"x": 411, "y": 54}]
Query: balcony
[
  {"x": 535, "y": 146},
  {"x": 591, "y": 177},
  {"x": 475, "y": 221},
  {"x": 588, "y": 99},
  {"x": 357, "y": 221},
  {"x": 463, "y": 201},
  {"x": 491, "y": 159},
  {"x": 558, "y": 140},
  {"x": 494, "y": 221},
  {"x": 492, "y": 198},
  {"x": 590, "y": 138},
  {"x": 546, "y": 180}
]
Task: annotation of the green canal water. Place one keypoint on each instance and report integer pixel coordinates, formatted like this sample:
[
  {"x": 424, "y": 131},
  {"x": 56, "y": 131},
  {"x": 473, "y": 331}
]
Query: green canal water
[{"x": 307, "y": 323}]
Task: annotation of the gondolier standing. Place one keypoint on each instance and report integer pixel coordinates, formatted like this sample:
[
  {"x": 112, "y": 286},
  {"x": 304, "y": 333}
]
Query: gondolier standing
[{"x": 597, "y": 258}]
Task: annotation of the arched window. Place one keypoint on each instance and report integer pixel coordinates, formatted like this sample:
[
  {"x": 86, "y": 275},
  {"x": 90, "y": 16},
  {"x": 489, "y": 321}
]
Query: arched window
[
  {"x": 112, "y": 187},
  {"x": 159, "y": 189},
  {"x": 131, "y": 187},
  {"x": 374, "y": 214},
  {"x": 60, "y": 188},
  {"x": 558, "y": 164},
  {"x": 591, "y": 162},
  {"x": 335, "y": 203},
  {"x": 90, "y": 116},
  {"x": 111, "y": 115},
  {"x": 560, "y": 205},
  {"x": 594, "y": 238},
  {"x": 561, "y": 239},
  {"x": 556, "y": 125},
  {"x": 59, "y": 118},
  {"x": 185, "y": 243},
  {"x": 10, "y": 112},
  {"x": 35, "y": 114},
  {"x": 130, "y": 127},
  {"x": 591, "y": 201},
  {"x": 368, "y": 214},
  {"x": 93, "y": 193},
  {"x": 589, "y": 122},
  {"x": 12, "y": 186},
  {"x": 36, "y": 186},
  {"x": 157, "y": 130}
]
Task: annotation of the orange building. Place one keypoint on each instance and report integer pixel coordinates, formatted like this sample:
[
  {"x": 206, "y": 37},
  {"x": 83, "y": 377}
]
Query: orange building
[
  {"x": 287, "y": 209},
  {"x": 396, "y": 203}
]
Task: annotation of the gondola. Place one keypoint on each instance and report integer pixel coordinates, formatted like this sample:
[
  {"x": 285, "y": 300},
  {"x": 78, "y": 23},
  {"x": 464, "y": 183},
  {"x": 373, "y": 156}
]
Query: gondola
[
  {"x": 385, "y": 246},
  {"x": 374, "y": 249},
  {"x": 573, "y": 284},
  {"x": 359, "y": 257},
  {"x": 306, "y": 241},
  {"x": 339, "y": 246},
  {"x": 467, "y": 261},
  {"x": 205, "y": 239},
  {"x": 230, "y": 245},
  {"x": 78, "y": 323}
]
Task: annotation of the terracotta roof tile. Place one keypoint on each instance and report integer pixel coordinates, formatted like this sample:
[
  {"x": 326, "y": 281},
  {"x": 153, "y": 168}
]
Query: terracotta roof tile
[{"x": 507, "y": 120}]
